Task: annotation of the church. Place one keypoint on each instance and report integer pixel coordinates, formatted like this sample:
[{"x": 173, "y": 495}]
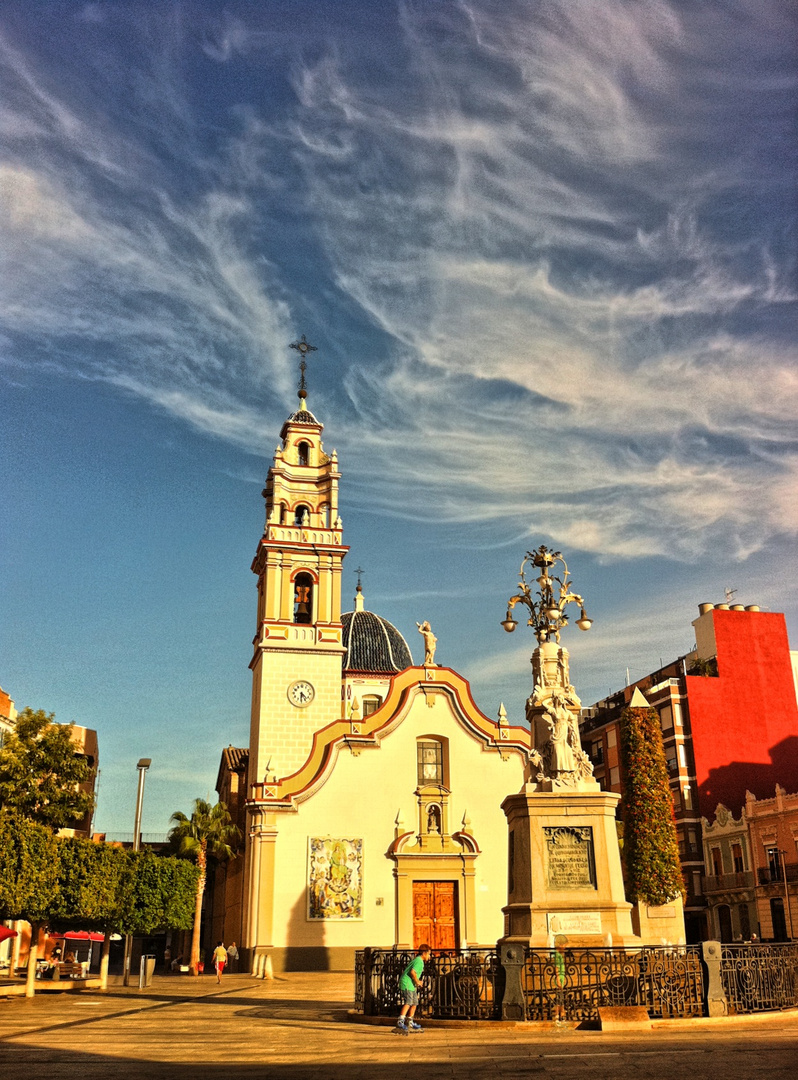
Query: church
[{"x": 370, "y": 796}]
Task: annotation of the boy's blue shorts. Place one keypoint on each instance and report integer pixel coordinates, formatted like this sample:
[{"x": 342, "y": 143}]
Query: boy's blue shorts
[{"x": 410, "y": 997}]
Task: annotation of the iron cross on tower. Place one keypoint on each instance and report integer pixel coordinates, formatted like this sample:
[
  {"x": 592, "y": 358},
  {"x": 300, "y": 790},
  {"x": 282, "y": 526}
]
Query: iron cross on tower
[{"x": 303, "y": 347}]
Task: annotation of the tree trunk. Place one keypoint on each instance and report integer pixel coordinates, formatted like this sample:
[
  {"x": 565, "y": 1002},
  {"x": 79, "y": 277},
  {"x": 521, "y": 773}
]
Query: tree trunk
[
  {"x": 106, "y": 954},
  {"x": 15, "y": 948},
  {"x": 33, "y": 953},
  {"x": 193, "y": 968}
]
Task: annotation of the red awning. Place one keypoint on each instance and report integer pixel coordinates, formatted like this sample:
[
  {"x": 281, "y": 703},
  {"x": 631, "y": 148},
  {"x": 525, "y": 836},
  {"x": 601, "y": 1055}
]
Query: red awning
[
  {"x": 81, "y": 935},
  {"x": 6, "y": 933}
]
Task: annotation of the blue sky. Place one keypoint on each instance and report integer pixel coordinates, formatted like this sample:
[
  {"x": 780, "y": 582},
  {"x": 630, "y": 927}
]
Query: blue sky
[{"x": 546, "y": 251}]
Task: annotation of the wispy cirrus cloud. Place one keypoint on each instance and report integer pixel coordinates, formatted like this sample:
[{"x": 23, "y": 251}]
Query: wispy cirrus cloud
[
  {"x": 555, "y": 223},
  {"x": 152, "y": 269},
  {"x": 550, "y": 220}
]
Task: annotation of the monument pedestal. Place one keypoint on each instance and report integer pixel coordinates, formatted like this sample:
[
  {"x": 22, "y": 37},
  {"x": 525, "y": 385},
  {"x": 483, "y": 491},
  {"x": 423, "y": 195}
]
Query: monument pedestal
[
  {"x": 565, "y": 867},
  {"x": 660, "y": 925}
]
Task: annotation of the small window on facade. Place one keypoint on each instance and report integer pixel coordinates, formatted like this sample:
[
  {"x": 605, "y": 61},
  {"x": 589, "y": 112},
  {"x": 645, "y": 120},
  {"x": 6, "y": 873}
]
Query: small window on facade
[
  {"x": 302, "y": 516},
  {"x": 737, "y": 859},
  {"x": 303, "y": 598},
  {"x": 774, "y": 864},
  {"x": 303, "y": 452},
  {"x": 370, "y": 704},
  {"x": 717, "y": 862},
  {"x": 430, "y": 763},
  {"x": 666, "y": 718}
]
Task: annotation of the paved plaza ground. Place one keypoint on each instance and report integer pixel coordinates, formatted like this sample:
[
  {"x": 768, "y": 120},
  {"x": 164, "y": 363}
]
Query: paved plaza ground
[{"x": 296, "y": 1027}]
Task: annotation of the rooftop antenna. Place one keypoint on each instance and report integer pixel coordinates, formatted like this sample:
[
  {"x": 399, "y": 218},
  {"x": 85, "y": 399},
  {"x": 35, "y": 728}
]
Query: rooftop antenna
[{"x": 730, "y": 594}]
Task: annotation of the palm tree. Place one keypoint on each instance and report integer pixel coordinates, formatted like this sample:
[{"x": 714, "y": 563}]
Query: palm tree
[{"x": 209, "y": 831}]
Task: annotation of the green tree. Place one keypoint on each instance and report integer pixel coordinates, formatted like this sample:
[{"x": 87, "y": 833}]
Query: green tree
[
  {"x": 95, "y": 885},
  {"x": 41, "y": 770},
  {"x": 103, "y": 887},
  {"x": 650, "y": 846},
  {"x": 29, "y": 878},
  {"x": 208, "y": 832},
  {"x": 163, "y": 894}
]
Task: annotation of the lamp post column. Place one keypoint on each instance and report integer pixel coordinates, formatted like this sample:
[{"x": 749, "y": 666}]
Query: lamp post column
[{"x": 142, "y": 766}]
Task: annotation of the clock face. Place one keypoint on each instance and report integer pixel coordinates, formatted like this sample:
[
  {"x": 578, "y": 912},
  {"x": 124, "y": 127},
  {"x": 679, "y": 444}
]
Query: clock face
[{"x": 301, "y": 693}]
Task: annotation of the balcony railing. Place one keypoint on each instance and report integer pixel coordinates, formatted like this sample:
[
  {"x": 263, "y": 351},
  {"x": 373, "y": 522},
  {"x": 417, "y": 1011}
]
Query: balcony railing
[
  {"x": 772, "y": 875},
  {"x": 714, "y": 883}
]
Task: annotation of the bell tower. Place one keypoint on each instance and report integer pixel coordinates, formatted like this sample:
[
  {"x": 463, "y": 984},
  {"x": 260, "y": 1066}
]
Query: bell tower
[{"x": 298, "y": 650}]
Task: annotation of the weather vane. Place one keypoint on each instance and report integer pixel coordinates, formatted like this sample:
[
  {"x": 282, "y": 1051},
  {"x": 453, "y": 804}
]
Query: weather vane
[{"x": 303, "y": 347}]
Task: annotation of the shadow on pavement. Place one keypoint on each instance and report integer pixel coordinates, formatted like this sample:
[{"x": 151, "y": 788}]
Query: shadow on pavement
[{"x": 16, "y": 1061}]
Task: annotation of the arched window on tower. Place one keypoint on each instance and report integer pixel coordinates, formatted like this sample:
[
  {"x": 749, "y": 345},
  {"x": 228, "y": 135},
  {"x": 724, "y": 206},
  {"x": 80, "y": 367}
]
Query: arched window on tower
[
  {"x": 302, "y": 516},
  {"x": 303, "y": 598},
  {"x": 303, "y": 452}
]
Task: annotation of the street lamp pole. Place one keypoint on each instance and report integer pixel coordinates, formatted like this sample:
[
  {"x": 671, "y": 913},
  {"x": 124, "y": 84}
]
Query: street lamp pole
[{"x": 142, "y": 766}]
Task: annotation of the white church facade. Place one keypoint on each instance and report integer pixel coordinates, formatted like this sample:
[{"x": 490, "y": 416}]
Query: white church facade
[{"x": 370, "y": 796}]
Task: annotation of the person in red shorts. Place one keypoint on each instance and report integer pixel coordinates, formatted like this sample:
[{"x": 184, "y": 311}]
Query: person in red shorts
[{"x": 219, "y": 960}]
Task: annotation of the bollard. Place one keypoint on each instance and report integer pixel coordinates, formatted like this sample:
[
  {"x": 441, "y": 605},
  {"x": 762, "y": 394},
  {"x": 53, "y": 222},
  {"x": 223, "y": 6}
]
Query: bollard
[
  {"x": 512, "y": 958},
  {"x": 716, "y": 1004}
]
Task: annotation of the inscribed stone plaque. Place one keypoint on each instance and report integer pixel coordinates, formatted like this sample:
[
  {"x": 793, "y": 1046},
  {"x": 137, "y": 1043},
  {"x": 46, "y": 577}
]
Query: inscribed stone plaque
[
  {"x": 569, "y": 857},
  {"x": 574, "y": 922}
]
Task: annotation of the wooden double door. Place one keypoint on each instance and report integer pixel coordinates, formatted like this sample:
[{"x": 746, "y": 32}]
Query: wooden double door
[{"x": 435, "y": 914}]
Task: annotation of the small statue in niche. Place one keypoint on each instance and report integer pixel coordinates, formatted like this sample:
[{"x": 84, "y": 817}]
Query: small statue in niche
[
  {"x": 430, "y": 643},
  {"x": 433, "y": 820}
]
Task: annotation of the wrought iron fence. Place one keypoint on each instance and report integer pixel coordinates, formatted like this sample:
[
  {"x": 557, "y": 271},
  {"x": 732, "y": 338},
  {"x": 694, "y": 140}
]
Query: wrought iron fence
[
  {"x": 667, "y": 981},
  {"x": 758, "y": 978},
  {"x": 465, "y": 984},
  {"x": 573, "y": 985}
]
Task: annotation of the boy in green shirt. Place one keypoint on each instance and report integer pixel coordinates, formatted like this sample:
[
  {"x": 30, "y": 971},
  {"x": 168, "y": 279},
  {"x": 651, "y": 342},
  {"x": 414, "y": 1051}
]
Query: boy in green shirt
[{"x": 409, "y": 983}]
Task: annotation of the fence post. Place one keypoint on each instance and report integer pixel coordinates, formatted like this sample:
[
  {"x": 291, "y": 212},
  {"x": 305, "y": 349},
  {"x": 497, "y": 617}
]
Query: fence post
[
  {"x": 368, "y": 995},
  {"x": 716, "y": 1004},
  {"x": 512, "y": 957}
]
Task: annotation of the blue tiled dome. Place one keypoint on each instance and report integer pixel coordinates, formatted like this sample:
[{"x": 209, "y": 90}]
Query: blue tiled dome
[{"x": 373, "y": 644}]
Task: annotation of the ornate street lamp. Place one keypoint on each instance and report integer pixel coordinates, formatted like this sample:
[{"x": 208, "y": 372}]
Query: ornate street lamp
[{"x": 547, "y": 609}]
